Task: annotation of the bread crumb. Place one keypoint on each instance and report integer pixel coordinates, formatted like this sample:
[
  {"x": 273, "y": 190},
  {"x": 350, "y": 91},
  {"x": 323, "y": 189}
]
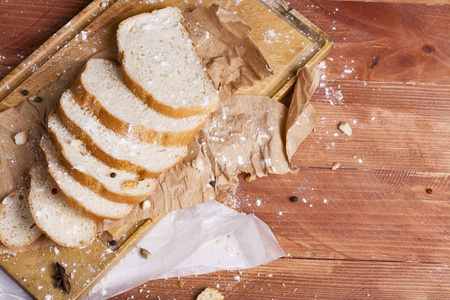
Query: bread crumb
[
  {"x": 250, "y": 177},
  {"x": 345, "y": 128},
  {"x": 219, "y": 241},
  {"x": 210, "y": 294},
  {"x": 21, "y": 138},
  {"x": 335, "y": 166},
  {"x": 130, "y": 185},
  {"x": 198, "y": 164},
  {"x": 146, "y": 204},
  {"x": 180, "y": 283},
  {"x": 76, "y": 143}
]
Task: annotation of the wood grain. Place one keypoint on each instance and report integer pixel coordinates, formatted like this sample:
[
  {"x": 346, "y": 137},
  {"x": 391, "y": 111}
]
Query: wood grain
[
  {"x": 311, "y": 279},
  {"x": 390, "y": 65},
  {"x": 353, "y": 214},
  {"x": 25, "y": 25},
  {"x": 395, "y": 126},
  {"x": 387, "y": 42}
]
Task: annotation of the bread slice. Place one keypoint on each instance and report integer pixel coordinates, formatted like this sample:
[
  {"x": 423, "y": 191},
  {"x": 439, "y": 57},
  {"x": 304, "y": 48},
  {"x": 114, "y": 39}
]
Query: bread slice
[
  {"x": 53, "y": 215},
  {"x": 118, "y": 152},
  {"x": 17, "y": 227},
  {"x": 93, "y": 173},
  {"x": 78, "y": 196},
  {"x": 100, "y": 89},
  {"x": 159, "y": 64}
]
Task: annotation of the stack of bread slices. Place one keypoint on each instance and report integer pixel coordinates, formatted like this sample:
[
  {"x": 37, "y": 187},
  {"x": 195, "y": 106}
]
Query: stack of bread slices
[{"x": 117, "y": 129}]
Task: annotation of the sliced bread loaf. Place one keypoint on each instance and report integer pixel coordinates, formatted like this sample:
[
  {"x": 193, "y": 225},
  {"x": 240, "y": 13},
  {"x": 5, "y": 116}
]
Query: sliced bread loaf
[
  {"x": 78, "y": 196},
  {"x": 118, "y": 152},
  {"x": 159, "y": 64},
  {"x": 17, "y": 227},
  {"x": 100, "y": 89},
  {"x": 53, "y": 215},
  {"x": 89, "y": 171}
]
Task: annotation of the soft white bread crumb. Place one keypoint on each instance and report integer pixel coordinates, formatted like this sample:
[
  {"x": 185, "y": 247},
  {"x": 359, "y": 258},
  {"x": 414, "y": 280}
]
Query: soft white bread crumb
[
  {"x": 17, "y": 227},
  {"x": 210, "y": 294},
  {"x": 53, "y": 215},
  {"x": 77, "y": 195},
  {"x": 160, "y": 65},
  {"x": 116, "y": 151},
  {"x": 21, "y": 138},
  {"x": 100, "y": 89},
  {"x": 93, "y": 173},
  {"x": 345, "y": 128}
]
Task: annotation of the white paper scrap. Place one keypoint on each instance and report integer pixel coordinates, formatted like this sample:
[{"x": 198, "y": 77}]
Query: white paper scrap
[{"x": 201, "y": 239}]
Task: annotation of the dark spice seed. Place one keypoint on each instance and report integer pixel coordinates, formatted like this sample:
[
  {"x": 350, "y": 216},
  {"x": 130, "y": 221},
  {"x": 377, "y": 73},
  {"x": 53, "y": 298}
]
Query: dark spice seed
[
  {"x": 429, "y": 191},
  {"x": 25, "y": 92},
  {"x": 38, "y": 100},
  {"x": 113, "y": 243},
  {"x": 293, "y": 199},
  {"x": 212, "y": 183},
  {"x": 113, "y": 175},
  {"x": 54, "y": 191}
]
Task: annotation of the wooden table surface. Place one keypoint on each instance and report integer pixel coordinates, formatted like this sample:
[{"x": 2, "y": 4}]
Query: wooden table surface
[{"x": 369, "y": 229}]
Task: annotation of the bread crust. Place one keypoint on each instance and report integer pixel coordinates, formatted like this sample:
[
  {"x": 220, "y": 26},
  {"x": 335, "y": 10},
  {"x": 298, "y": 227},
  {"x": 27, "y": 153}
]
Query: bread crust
[
  {"x": 103, "y": 156},
  {"x": 41, "y": 227},
  {"x": 176, "y": 113},
  {"x": 5, "y": 239},
  {"x": 77, "y": 205},
  {"x": 142, "y": 133},
  {"x": 92, "y": 183}
]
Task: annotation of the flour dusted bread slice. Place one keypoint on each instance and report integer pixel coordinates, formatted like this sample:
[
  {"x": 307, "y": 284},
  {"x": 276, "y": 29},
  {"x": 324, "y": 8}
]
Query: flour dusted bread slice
[
  {"x": 53, "y": 215},
  {"x": 159, "y": 64},
  {"x": 101, "y": 89},
  {"x": 17, "y": 227},
  {"x": 78, "y": 196},
  {"x": 148, "y": 160},
  {"x": 91, "y": 172}
]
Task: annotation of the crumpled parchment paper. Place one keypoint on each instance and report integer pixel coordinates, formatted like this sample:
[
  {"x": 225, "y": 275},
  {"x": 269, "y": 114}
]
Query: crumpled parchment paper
[{"x": 252, "y": 134}]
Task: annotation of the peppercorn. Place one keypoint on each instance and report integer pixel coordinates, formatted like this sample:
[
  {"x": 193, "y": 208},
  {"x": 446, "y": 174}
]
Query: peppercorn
[
  {"x": 293, "y": 199},
  {"x": 113, "y": 243},
  {"x": 25, "y": 92},
  {"x": 113, "y": 175},
  {"x": 54, "y": 191},
  {"x": 38, "y": 100},
  {"x": 429, "y": 191}
]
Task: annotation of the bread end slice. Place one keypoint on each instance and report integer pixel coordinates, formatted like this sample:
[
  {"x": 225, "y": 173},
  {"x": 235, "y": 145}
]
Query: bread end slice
[{"x": 17, "y": 227}]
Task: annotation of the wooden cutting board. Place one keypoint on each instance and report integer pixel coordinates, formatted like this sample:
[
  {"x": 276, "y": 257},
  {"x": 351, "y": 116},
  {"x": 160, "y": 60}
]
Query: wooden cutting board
[{"x": 286, "y": 39}]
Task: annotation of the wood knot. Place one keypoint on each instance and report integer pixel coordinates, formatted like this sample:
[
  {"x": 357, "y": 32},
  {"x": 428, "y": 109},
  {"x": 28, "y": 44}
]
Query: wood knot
[
  {"x": 428, "y": 49},
  {"x": 374, "y": 62}
]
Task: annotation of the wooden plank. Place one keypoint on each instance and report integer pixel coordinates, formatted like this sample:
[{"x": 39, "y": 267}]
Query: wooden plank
[
  {"x": 367, "y": 214},
  {"x": 311, "y": 279},
  {"x": 384, "y": 41},
  {"x": 403, "y": 1},
  {"x": 397, "y": 127},
  {"x": 25, "y": 25}
]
